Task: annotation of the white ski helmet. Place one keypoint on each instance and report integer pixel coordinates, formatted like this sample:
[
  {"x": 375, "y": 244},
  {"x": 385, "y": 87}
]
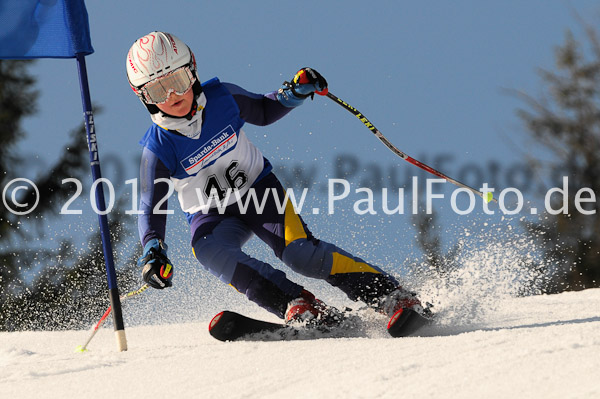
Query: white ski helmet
[{"x": 154, "y": 55}]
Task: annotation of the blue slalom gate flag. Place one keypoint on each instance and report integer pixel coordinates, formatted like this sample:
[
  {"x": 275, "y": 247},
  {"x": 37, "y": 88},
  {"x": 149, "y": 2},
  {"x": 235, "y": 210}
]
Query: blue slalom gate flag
[{"x": 44, "y": 29}]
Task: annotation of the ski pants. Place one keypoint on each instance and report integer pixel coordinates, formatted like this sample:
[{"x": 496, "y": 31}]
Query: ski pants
[{"x": 218, "y": 238}]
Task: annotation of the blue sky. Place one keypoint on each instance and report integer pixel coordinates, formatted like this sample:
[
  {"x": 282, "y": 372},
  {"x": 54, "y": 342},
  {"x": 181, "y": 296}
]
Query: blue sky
[{"x": 430, "y": 75}]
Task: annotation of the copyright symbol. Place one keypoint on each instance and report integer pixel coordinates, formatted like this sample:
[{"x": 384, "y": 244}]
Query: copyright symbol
[{"x": 22, "y": 208}]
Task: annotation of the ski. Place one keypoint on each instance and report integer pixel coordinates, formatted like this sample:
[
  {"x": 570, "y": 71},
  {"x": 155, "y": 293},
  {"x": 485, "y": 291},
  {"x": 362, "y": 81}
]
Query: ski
[
  {"x": 406, "y": 322},
  {"x": 232, "y": 326}
]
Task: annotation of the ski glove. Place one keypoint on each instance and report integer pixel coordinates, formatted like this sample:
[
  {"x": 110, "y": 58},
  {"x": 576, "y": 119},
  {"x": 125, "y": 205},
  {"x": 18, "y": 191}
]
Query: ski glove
[
  {"x": 305, "y": 83},
  {"x": 157, "y": 270}
]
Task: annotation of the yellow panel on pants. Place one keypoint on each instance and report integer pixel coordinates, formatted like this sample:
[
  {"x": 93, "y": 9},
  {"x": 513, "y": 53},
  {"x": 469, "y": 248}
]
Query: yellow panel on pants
[
  {"x": 293, "y": 225},
  {"x": 343, "y": 264}
]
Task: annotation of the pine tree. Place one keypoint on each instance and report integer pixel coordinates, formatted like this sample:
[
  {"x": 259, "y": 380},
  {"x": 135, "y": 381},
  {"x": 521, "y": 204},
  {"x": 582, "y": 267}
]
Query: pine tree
[{"x": 565, "y": 122}]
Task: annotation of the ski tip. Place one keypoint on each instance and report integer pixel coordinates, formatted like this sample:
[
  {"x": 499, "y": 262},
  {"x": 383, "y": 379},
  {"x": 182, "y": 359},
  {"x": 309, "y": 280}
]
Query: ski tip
[
  {"x": 395, "y": 317},
  {"x": 406, "y": 322},
  {"x": 214, "y": 321}
]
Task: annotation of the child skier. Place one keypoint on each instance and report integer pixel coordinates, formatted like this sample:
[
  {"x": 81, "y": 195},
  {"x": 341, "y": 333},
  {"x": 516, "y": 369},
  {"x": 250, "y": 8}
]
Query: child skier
[{"x": 196, "y": 143}]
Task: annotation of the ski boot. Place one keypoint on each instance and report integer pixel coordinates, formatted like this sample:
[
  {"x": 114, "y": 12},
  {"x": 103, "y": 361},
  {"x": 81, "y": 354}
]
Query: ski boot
[
  {"x": 309, "y": 311},
  {"x": 399, "y": 299}
]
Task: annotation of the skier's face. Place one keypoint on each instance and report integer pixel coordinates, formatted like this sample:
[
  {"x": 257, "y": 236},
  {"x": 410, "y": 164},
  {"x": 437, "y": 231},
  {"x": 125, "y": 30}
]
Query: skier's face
[{"x": 178, "y": 105}]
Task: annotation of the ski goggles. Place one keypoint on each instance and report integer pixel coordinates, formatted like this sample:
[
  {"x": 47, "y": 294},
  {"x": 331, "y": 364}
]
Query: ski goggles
[{"x": 179, "y": 81}]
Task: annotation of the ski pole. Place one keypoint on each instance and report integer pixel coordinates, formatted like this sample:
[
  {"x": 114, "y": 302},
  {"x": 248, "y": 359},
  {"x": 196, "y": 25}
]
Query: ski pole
[
  {"x": 83, "y": 348},
  {"x": 487, "y": 196}
]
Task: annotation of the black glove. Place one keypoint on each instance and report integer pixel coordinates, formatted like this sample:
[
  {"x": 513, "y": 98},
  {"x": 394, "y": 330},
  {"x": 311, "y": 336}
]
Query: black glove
[
  {"x": 304, "y": 84},
  {"x": 157, "y": 270}
]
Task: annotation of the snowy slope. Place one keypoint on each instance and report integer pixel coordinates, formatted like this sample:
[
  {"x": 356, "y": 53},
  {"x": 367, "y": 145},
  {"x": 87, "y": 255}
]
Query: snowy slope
[{"x": 532, "y": 347}]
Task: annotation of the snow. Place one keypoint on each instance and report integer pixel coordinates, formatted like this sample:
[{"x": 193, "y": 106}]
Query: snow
[{"x": 545, "y": 346}]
